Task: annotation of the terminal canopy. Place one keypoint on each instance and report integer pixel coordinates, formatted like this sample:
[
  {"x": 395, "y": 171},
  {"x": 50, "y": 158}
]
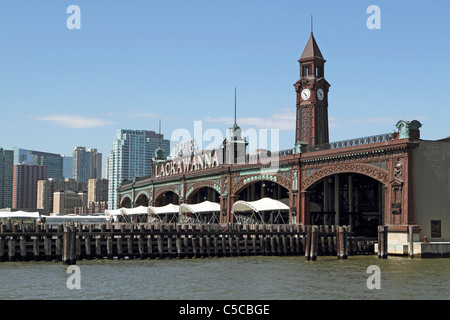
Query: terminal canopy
[
  {"x": 167, "y": 213},
  {"x": 265, "y": 204},
  {"x": 138, "y": 210},
  {"x": 19, "y": 215},
  {"x": 83, "y": 219},
  {"x": 254, "y": 212},
  {"x": 205, "y": 206},
  {"x": 139, "y": 214},
  {"x": 167, "y": 209},
  {"x": 117, "y": 212},
  {"x": 205, "y": 212}
]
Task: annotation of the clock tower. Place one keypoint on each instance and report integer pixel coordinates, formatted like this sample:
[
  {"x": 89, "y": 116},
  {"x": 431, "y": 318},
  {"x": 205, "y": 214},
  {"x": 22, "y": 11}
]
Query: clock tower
[{"x": 312, "y": 97}]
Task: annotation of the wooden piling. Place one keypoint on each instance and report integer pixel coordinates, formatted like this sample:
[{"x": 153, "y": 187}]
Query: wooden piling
[
  {"x": 181, "y": 240},
  {"x": 308, "y": 243},
  {"x": 2, "y": 248},
  {"x": 98, "y": 247},
  {"x": 109, "y": 247},
  {"x": 341, "y": 244},
  {"x": 314, "y": 235},
  {"x": 11, "y": 249},
  {"x": 178, "y": 245},
  {"x": 382, "y": 242},
  {"x": 68, "y": 245},
  {"x": 216, "y": 246},
  {"x": 23, "y": 248},
  {"x": 150, "y": 246},
  {"x": 130, "y": 252},
  {"x": 160, "y": 246},
  {"x": 194, "y": 246},
  {"x": 411, "y": 241},
  {"x": 48, "y": 248},
  {"x": 169, "y": 246},
  {"x": 77, "y": 239},
  {"x": 208, "y": 245}
]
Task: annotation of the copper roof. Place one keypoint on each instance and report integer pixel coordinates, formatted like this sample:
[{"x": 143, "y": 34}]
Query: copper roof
[{"x": 312, "y": 50}]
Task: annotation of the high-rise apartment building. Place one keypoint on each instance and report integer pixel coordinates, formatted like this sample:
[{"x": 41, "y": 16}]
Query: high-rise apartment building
[
  {"x": 131, "y": 156},
  {"x": 53, "y": 161},
  {"x": 25, "y": 181},
  {"x": 6, "y": 177},
  {"x": 87, "y": 164}
]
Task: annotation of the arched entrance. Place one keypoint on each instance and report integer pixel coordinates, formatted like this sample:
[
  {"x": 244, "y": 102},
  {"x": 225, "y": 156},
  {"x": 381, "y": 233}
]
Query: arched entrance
[
  {"x": 126, "y": 202},
  {"x": 264, "y": 189},
  {"x": 201, "y": 196},
  {"x": 142, "y": 200},
  {"x": 204, "y": 194},
  {"x": 347, "y": 199},
  {"x": 261, "y": 189},
  {"x": 166, "y": 198}
]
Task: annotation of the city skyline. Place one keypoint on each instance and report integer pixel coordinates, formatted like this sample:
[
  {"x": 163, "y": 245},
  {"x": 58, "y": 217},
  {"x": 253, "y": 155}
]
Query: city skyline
[
  {"x": 130, "y": 156},
  {"x": 122, "y": 69}
]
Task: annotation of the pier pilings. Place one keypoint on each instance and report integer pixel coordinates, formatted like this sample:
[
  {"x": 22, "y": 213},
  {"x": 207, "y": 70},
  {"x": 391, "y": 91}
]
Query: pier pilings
[{"x": 73, "y": 242}]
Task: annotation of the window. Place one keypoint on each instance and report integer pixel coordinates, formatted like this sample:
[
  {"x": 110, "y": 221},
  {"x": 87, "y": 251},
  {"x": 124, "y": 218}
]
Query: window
[
  {"x": 398, "y": 195},
  {"x": 306, "y": 71},
  {"x": 319, "y": 72},
  {"x": 435, "y": 228}
]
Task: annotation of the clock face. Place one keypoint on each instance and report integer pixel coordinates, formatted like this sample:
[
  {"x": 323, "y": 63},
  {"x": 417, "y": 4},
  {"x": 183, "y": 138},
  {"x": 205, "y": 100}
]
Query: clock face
[
  {"x": 306, "y": 94},
  {"x": 320, "y": 94}
]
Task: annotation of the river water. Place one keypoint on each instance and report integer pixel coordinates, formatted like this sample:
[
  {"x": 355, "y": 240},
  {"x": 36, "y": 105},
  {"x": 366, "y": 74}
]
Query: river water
[{"x": 231, "y": 278}]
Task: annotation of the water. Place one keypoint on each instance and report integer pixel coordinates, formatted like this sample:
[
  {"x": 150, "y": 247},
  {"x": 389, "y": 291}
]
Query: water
[{"x": 243, "y": 278}]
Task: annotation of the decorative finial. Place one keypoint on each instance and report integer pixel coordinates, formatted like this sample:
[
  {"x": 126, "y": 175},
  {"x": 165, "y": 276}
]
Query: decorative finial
[{"x": 311, "y": 24}]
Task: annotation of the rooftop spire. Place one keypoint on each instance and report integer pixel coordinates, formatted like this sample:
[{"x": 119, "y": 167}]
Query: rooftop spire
[{"x": 312, "y": 50}]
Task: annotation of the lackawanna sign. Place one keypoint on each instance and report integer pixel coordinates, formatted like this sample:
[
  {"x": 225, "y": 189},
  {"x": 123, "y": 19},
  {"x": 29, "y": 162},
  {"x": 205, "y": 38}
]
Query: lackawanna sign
[{"x": 195, "y": 162}]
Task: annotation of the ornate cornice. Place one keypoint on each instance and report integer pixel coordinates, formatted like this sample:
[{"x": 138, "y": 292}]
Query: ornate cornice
[
  {"x": 365, "y": 169},
  {"x": 279, "y": 179}
]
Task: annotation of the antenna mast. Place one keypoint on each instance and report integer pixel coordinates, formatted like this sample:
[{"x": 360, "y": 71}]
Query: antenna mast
[
  {"x": 159, "y": 136},
  {"x": 235, "y": 105}
]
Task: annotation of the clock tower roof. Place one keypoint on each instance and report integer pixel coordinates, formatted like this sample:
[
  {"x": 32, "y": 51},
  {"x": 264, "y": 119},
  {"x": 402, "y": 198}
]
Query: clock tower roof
[{"x": 311, "y": 51}]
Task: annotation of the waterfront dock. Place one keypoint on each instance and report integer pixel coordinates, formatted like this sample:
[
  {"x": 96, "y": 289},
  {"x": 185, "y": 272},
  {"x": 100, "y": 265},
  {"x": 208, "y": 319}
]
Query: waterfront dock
[{"x": 73, "y": 242}]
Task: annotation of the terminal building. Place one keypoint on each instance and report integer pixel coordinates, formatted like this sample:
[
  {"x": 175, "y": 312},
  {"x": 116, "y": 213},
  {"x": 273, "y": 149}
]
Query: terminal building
[{"x": 393, "y": 179}]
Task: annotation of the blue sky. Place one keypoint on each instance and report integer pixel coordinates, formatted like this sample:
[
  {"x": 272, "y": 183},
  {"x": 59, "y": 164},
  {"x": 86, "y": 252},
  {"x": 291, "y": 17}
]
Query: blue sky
[{"x": 137, "y": 61}]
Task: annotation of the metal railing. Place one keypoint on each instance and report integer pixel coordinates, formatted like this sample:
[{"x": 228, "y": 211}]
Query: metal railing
[
  {"x": 341, "y": 144},
  {"x": 350, "y": 143}
]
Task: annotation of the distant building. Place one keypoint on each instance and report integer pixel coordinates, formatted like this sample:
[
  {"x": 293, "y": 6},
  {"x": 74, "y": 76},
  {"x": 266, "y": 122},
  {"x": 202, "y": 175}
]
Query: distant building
[
  {"x": 131, "y": 156},
  {"x": 25, "y": 185},
  {"x": 87, "y": 164},
  {"x": 6, "y": 177},
  {"x": 65, "y": 202},
  {"x": 46, "y": 189},
  {"x": 97, "y": 190},
  {"x": 67, "y": 167},
  {"x": 107, "y": 168},
  {"x": 98, "y": 207},
  {"x": 53, "y": 161}
]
